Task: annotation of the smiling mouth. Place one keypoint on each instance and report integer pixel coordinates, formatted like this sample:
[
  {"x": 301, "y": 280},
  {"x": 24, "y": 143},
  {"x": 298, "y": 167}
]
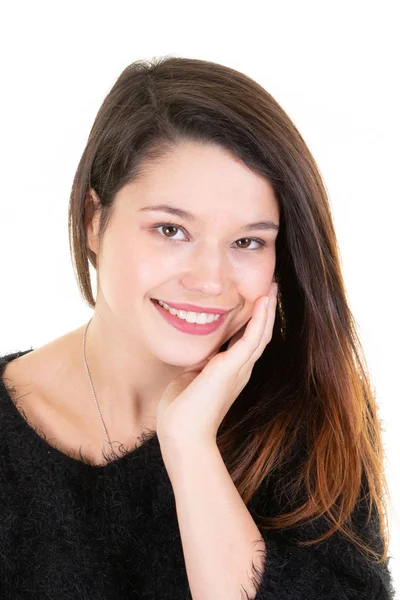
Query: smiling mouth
[
  {"x": 191, "y": 308},
  {"x": 191, "y": 323}
]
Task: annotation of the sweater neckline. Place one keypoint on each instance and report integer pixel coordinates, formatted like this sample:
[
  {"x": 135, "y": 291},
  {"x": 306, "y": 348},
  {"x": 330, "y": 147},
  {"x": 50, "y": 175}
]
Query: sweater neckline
[{"x": 145, "y": 440}]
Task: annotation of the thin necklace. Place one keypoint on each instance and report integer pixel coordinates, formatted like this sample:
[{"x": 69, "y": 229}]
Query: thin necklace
[{"x": 94, "y": 393}]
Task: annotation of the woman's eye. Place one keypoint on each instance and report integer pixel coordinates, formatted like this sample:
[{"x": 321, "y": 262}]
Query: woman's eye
[
  {"x": 173, "y": 226},
  {"x": 168, "y": 226}
]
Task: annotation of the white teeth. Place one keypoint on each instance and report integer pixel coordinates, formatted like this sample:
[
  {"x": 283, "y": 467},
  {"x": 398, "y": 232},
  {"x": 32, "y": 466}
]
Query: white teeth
[{"x": 190, "y": 317}]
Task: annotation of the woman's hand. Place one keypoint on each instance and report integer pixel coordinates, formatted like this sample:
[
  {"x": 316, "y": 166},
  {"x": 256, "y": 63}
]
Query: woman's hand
[{"x": 194, "y": 404}]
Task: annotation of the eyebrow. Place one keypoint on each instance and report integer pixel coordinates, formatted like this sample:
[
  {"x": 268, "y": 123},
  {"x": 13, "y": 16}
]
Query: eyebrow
[{"x": 184, "y": 214}]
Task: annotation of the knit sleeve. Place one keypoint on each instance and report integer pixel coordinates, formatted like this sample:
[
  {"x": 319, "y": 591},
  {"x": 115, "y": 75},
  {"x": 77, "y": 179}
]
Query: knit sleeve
[
  {"x": 334, "y": 569},
  {"x": 293, "y": 573}
]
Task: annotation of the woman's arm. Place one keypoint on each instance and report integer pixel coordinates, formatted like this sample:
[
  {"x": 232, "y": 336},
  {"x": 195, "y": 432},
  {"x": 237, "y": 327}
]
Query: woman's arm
[
  {"x": 227, "y": 557},
  {"x": 221, "y": 543}
]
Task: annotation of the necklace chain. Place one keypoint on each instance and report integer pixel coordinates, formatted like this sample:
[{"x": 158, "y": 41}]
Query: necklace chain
[{"x": 94, "y": 393}]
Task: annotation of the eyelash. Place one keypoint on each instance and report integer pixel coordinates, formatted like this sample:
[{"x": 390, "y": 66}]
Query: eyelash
[{"x": 168, "y": 224}]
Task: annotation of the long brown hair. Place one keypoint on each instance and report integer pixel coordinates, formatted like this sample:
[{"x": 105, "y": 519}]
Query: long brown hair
[{"x": 306, "y": 423}]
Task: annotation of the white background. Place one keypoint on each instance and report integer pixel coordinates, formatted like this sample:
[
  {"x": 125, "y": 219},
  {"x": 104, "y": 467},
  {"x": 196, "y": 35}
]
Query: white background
[{"x": 333, "y": 67}]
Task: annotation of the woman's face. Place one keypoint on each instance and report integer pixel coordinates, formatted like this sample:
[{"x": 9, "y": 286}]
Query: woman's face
[{"x": 208, "y": 260}]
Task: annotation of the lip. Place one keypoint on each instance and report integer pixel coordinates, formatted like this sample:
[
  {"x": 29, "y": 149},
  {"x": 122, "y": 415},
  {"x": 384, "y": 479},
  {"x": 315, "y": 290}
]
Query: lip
[
  {"x": 184, "y": 326},
  {"x": 194, "y": 308}
]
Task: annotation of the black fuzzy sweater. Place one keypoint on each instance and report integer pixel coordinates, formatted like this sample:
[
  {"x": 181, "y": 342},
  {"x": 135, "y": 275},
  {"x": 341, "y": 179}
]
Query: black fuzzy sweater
[{"x": 70, "y": 530}]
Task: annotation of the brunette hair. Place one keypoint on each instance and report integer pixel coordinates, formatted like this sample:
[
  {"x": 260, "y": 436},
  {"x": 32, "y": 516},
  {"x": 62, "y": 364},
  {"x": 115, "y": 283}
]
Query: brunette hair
[{"x": 306, "y": 423}]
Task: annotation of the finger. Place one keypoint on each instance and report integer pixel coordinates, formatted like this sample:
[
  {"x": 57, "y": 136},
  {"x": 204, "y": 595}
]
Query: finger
[
  {"x": 267, "y": 331},
  {"x": 242, "y": 351},
  {"x": 258, "y": 331}
]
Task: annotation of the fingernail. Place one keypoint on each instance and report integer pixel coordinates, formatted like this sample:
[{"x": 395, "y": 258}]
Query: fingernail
[{"x": 266, "y": 302}]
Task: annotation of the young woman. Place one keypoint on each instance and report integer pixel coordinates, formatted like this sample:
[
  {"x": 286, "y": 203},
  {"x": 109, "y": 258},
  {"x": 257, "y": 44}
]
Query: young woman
[{"x": 191, "y": 441}]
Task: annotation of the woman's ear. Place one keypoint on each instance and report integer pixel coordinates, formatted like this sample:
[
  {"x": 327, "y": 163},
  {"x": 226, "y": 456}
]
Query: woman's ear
[{"x": 92, "y": 219}]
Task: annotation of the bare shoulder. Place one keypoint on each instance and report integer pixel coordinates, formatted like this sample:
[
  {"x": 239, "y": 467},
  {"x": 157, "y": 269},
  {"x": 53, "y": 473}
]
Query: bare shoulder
[
  {"x": 39, "y": 380},
  {"x": 40, "y": 368}
]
